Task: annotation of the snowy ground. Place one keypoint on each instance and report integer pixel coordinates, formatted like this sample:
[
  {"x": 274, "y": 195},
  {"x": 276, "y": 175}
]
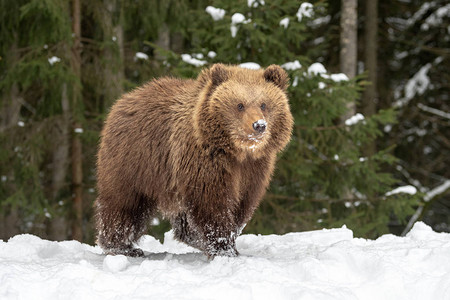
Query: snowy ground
[{"x": 326, "y": 264}]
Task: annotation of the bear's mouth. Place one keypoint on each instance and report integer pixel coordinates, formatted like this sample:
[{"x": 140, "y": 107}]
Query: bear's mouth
[
  {"x": 253, "y": 141},
  {"x": 257, "y": 138}
]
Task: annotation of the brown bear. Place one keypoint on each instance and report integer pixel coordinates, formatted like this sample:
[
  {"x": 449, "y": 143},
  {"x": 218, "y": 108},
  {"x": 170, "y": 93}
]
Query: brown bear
[{"x": 201, "y": 152}]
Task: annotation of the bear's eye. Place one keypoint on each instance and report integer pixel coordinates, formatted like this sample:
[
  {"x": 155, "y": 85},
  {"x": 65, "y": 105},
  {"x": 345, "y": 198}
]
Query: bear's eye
[
  {"x": 240, "y": 107},
  {"x": 263, "y": 106}
]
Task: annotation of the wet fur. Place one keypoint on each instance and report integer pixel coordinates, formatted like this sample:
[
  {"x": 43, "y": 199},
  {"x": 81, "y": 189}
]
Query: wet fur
[{"x": 182, "y": 148}]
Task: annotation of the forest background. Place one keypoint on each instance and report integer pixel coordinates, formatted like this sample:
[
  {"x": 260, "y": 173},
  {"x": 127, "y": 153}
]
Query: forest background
[{"x": 369, "y": 94}]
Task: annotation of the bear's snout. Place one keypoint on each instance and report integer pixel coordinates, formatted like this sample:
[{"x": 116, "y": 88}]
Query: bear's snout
[{"x": 260, "y": 125}]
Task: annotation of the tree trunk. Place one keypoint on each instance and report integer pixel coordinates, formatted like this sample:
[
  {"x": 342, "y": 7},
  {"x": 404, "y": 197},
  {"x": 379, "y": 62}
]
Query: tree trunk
[
  {"x": 113, "y": 77},
  {"x": 370, "y": 97},
  {"x": 10, "y": 110},
  {"x": 11, "y": 103},
  {"x": 10, "y": 223},
  {"x": 348, "y": 42},
  {"x": 60, "y": 163},
  {"x": 177, "y": 42},
  {"x": 163, "y": 42},
  {"x": 77, "y": 171}
]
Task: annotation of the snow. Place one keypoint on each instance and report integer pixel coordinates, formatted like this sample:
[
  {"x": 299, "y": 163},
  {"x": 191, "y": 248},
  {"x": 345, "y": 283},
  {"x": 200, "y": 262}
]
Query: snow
[
  {"x": 211, "y": 54},
  {"x": 216, "y": 13},
  {"x": 419, "y": 13},
  {"x": 115, "y": 263},
  {"x": 255, "y": 3},
  {"x": 250, "y": 65},
  {"x": 418, "y": 84},
  {"x": 354, "y": 119},
  {"x": 292, "y": 65},
  {"x": 319, "y": 21},
  {"x": 437, "y": 190},
  {"x": 140, "y": 55},
  {"x": 262, "y": 122},
  {"x": 436, "y": 18},
  {"x": 428, "y": 196},
  {"x": 435, "y": 111},
  {"x": 54, "y": 59},
  {"x": 338, "y": 77},
  {"x": 305, "y": 10},
  {"x": 236, "y": 19},
  {"x": 316, "y": 68},
  {"x": 187, "y": 58},
  {"x": 285, "y": 22},
  {"x": 407, "y": 189},
  {"x": 324, "y": 264}
]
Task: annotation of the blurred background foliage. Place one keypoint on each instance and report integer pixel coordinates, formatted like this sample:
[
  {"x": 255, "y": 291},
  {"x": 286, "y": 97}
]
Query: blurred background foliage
[{"x": 57, "y": 85}]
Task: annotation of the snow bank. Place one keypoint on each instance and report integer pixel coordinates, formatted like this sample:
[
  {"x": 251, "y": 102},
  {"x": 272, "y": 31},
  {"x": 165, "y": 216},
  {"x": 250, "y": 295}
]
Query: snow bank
[{"x": 325, "y": 264}]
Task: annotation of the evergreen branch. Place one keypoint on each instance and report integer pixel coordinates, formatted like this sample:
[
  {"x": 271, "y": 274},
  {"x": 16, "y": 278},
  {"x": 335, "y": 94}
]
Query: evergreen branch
[
  {"x": 321, "y": 128},
  {"x": 321, "y": 200}
]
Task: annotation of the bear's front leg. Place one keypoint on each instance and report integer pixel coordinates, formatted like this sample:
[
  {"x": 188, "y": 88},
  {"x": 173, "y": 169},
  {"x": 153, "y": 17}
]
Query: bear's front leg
[
  {"x": 213, "y": 238},
  {"x": 220, "y": 242},
  {"x": 216, "y": 231}
]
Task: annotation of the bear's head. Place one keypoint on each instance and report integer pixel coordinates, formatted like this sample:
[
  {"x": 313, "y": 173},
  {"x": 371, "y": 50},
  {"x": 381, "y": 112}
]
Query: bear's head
[{"x": 243, "y": 111}]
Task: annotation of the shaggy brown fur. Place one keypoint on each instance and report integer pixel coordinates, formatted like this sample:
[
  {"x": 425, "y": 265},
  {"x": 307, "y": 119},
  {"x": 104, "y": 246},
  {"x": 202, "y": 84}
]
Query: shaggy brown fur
[{"x": 199, "y": 151}]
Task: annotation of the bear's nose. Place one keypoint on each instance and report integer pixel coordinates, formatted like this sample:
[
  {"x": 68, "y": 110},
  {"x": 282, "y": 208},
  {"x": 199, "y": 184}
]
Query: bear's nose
[{"x": 260, "y": 125}]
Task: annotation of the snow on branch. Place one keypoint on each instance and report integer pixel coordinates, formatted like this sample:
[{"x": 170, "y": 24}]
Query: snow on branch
[
  {"x": 318, "y": 69},
  {"x": 187, "y": 58},
  {"x": 437, "y": 191},
  {"x": 418, "y": 84},
  {"x": 354, "y": 119},
  {"x": 435, "y": 111},
  {"x": 428, "y": 196},
  {"x": 407, "y": 189},
  {"x": 140, "y": 55},
  {"x": 305, "y": 10},
  {"x": 216, "y": 13},
  {"x": 250, "y": 65}
]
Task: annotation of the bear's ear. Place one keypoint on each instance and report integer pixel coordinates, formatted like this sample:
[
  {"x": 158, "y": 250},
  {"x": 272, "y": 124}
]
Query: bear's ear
[
  {"x": 218, "y": 73},
  {"x": 277, "y": 75}
]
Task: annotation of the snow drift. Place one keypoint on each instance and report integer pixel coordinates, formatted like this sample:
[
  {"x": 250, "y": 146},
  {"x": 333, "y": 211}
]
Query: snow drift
[{"x": 325, "y": 264}]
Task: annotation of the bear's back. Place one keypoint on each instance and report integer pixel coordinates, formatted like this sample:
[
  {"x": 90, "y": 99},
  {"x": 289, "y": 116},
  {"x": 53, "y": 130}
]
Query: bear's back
[{"x": 142, "y": 132}]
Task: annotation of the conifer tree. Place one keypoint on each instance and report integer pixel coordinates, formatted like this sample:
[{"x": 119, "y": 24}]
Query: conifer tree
[
  {"x": 35, "y": 71},
  {"x": 418, "y": 64}
]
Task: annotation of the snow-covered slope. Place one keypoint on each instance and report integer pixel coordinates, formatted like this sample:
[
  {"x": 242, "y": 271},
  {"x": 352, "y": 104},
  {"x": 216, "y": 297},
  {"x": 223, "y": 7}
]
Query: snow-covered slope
[{"x": 326, "y": 264}]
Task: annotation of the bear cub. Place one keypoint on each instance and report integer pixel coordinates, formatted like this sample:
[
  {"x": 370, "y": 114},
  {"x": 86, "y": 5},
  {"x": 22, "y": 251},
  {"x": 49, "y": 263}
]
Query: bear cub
[{"x": 201, "y": 152}]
